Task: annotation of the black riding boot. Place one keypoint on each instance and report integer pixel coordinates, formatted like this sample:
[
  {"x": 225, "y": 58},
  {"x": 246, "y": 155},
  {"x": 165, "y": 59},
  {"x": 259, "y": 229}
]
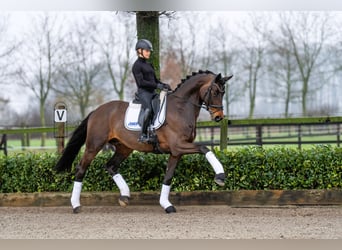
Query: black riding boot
[{"x": 144, "y": 138}]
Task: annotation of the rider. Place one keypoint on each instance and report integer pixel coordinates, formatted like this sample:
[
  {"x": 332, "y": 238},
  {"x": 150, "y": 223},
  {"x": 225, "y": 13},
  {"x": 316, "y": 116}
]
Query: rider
[{"x": 147, "y": 83}]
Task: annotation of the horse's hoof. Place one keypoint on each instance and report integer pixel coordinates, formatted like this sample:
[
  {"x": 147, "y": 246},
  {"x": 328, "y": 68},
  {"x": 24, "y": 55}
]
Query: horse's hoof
[
  {"x": 123, "y": 201},
  {"x": 219, "y": 179},
  {"x": 76, "y": 210},
  {"x": 170, "y": 209}
]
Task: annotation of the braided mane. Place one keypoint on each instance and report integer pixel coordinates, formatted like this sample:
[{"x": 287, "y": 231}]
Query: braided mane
[{"x": 190, "y": 76}]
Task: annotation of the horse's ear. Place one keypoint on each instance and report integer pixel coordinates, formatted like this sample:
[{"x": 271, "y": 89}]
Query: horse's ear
[
  {"x": 226, "y": 78},
  {"x": 218, "y": 78}
]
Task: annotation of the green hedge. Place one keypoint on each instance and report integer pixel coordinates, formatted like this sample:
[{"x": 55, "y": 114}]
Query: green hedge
[{"x": 252, "y": 168}]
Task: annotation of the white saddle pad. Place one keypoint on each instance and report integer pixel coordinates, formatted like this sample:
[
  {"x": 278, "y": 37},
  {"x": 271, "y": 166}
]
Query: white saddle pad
[{"x": 133, "y": 110}]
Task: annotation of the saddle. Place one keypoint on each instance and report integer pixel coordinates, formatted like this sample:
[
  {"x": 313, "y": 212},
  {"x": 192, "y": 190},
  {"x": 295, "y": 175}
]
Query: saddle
[{"x": 133, "y": 113}]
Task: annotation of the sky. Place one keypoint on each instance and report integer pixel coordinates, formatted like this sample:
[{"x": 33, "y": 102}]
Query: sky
[
  {"x": 20, "y": 23},
  {"x": 211, "y": 5}
]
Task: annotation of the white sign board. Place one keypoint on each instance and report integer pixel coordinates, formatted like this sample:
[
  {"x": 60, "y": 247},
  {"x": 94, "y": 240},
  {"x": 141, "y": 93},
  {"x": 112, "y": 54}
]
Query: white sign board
[{"x": 60, "y": 115}]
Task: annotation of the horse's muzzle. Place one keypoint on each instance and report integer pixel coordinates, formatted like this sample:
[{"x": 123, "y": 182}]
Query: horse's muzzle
[{"x": 218, "y": 118}]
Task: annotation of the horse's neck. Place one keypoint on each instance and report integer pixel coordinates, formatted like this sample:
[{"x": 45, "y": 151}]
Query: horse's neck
[
  {"x": 189, "y": 91},
  {"x": 186, "y": 101},
  {"x": 184, "y": 111}
]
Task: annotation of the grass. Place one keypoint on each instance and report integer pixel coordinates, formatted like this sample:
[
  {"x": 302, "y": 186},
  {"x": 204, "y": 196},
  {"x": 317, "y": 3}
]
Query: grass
[
  {"x": 308, "y": 140},
  {"x": 15, "y": 146},
  {"x": 241, "y": 138}
]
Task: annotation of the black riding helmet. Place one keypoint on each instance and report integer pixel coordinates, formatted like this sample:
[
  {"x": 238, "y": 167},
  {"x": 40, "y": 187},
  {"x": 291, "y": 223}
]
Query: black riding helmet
[{"x": 144, "y": 44}]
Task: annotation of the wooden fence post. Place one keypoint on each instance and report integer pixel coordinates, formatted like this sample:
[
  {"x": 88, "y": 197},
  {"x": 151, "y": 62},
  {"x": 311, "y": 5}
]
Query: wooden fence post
[
  {"x": 60, "y": 137},
  {"x": 3, "y": 144},
  {"x": 25, "y": 138},
  {"x": 259, "y": 135},
  {"x": 224, "y": 134},
  {"x": 338, "y": 135},
  {"x": 60, "y": 121},
  {"x": 299, "y": 136}
]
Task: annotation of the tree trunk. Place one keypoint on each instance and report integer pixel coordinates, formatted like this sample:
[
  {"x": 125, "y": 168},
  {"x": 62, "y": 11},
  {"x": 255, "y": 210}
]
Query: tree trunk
[
  {"x": 148, "y": 28},
  {"x": 305, "y": 95},
  {"x": 42, "y": 121}
]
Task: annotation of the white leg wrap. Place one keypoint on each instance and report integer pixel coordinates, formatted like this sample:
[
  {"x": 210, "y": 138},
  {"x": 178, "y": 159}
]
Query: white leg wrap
[
  {"x": 164, "y": 197},
  {"x": 76, "y": 194},
  {"x": 122, "y": 185},
  {"x": 214, "y": 162}
]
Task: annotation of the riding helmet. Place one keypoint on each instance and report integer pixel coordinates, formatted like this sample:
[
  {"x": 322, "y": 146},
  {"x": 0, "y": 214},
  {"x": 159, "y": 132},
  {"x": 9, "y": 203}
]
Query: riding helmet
[{"x": 144, "y": 44}]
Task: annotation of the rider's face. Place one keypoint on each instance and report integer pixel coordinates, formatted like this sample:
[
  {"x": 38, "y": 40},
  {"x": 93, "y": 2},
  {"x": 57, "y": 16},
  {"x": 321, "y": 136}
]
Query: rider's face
[{"x": 145, "y": 53}]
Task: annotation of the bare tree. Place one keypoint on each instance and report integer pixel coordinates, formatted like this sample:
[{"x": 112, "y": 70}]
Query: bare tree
[
  {"x": 252, "y": 54},
  {"x": 282, "y": 68},
  {"x": 116, "y": 39},
  {"x": 39, "y": 57},
  {"x": 283, "y": 73},
  {"x": 224, "y": 57},
  {"x": 308, "y": 33},
  {"x": 7, "y": 48},
  {"x": 79, "y": 75},
  {"x": 171, "y": 70},
  {"x": 181, "y": 42}
]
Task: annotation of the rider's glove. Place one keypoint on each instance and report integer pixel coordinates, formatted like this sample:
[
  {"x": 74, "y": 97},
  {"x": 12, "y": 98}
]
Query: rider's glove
[{"x": 162, "y": 86}]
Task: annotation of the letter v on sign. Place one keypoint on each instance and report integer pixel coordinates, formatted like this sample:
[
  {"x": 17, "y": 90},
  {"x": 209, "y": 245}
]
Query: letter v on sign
[{"x": 60, "y": 115}]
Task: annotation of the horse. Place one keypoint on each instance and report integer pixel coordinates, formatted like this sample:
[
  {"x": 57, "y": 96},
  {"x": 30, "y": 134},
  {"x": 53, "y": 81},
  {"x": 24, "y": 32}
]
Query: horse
[{"x": 202, "y": 89}]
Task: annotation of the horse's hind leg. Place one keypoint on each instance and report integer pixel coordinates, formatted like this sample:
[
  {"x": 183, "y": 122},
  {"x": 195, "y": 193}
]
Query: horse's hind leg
[
  {"x": 112, "y": 166},
  {"x": 81, "y": 169},
  {"x": 164, "y": 195}
]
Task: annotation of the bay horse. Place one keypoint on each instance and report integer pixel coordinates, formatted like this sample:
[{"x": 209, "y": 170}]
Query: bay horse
[{"x": 175, "y": 137}]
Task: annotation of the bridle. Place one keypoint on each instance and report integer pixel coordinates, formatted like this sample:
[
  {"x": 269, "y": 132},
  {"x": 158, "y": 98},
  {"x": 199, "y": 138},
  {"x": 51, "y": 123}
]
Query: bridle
[
  {"x": 208, "y": 96},
  {"x": 207, "y": 99}
]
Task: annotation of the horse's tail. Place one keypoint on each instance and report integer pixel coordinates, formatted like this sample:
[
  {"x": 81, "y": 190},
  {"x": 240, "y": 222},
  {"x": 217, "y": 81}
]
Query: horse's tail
[{"x": 73, "y": 147}]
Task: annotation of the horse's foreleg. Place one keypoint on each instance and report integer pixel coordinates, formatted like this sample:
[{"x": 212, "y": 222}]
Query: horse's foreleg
[
  {"x": 166, "y": 187},
  {"x": 112, "y": 166},
  {"x": 190, "y": 148},
  {"x": 216, "y": 165}
]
